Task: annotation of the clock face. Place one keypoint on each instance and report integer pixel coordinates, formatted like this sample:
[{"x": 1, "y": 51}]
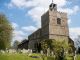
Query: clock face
[{"x": 58, "y": 15}]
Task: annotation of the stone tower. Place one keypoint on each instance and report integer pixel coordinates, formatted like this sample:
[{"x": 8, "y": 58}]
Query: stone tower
[{"x": 54, "y": 24}]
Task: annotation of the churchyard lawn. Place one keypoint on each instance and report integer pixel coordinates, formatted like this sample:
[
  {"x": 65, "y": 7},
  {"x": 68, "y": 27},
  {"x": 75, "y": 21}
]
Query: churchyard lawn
[{"x": 18, "y": 56}]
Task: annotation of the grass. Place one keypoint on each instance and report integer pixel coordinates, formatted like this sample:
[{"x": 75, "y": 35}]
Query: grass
[
  {"x": 50, "y": 58},
  {"x": 18, "y": 57},
  {"x": 78, "y": 57},
  {"x": 25, "y": 57}
]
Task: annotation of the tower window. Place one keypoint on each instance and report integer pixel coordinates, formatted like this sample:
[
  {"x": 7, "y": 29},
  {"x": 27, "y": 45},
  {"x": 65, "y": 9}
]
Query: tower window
[
  {"x": 52, "y": 6},
  {"x": 58, "y": 21}
]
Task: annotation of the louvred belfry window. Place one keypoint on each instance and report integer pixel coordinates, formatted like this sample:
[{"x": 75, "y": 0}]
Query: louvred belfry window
[{"x": 58, "y": 21}]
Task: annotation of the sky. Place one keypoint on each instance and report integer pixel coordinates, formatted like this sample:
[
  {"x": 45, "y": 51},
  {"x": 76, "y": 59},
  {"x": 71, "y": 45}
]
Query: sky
[{"x": 25, "y": 15}]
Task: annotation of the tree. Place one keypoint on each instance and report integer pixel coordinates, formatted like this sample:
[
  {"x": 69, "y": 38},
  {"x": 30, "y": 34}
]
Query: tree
[
  {"x": 78, "y": 51},
  {"x": 77, "y": 41},
  {"x": 47, "y": 44},
  {"x": 5, "y": 32},
  {"x": 58, "y": 46},
  {"x": 16, "y": 43}
]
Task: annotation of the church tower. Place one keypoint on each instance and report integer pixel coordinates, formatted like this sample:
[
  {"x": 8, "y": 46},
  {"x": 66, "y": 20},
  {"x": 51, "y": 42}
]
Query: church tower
[{"x": 54, "y": 24}]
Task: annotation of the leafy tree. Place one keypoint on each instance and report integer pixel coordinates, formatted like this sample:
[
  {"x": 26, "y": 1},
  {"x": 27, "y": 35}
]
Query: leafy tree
[
  {"x": 58, "y": 46},
  {"x": 5, "y": 32},
  {"x": 16, "y": 43},
  {"x": 78, "y": 51},
  {"x": 45, "y": 44},
  {"x": 71, "y": 49}
]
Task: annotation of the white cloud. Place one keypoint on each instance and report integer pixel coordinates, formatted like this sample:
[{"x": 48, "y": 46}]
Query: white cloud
[
  {"x": 36, "y": 13},
  {"x": 29, "y": 28},
  {"x": 14, "y": 25},
  {"x": 71, "y": 11},
  {"x": 69, "y": 21},
  {"x": 74, "y": 32},
  {"x": 17, "y": 33},
  {"x": 17, "y": 3},
  {"x": 20, "y": 33},
  {"x": 33, "y": 3}
]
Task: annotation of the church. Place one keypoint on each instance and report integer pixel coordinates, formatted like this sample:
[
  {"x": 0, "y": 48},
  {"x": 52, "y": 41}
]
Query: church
[{"x": 54, "y": 26}]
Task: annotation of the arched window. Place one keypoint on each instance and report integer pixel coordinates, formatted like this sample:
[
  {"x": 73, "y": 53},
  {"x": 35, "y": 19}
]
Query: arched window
[{"x": 58, "y": 21}]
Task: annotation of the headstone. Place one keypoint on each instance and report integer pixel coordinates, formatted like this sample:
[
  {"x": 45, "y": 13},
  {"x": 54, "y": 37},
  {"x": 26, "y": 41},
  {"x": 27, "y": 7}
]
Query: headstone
[
  {"x": 2, "y": 51},
  {"x": 75, "y": 56},
  {"x": 29, "y": 52},
  {"x": 48, "y": 52},
  {"x": 52, "y": 53},
  {"x": 42, "y": 52}
]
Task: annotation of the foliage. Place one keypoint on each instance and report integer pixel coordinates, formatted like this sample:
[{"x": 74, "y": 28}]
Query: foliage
[
  {"x": 78, "y": 51},
  {"x": 45, "y": 44},
  {"x": 5, "y": 32},
  {"x": 16, "y": 43},
  {"x": 71, "y": 49},
  {"x": 58, "y": 46}
]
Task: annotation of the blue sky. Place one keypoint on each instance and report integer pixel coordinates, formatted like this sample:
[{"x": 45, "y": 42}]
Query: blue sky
[{"x": 24, "y": 15}]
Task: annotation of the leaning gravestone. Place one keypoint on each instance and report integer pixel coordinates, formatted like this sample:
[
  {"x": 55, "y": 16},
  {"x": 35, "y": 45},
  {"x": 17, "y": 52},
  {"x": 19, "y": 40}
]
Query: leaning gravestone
[
  {"x": 24, "y": 51},
  {"x": 75, "y": 56},
  {"x": 2, "y": 51},
  {"x": 48, "y": 52},
  {"x": 52, "y": 53},
  {"x": 42, "y": 52},
  {"x": 29, "y": 52}
]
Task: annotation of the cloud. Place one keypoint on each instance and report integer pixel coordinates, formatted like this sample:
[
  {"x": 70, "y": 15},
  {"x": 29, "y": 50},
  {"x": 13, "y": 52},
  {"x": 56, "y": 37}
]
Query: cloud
[
  {"x": 69, "y": 21},
  {"x": 29, "y": 28},
  {"x": 71, "y": 11},
  {"x": 33, "y": 3},
  {"x": 17, "y": 33},
  {"x": 35, "y": 14},
  {"x": 74, "y": 32},
  {"x": 14, "y": 25},
  {"x": 17, "y": 3},
  {"x": 20, "y": 33}
]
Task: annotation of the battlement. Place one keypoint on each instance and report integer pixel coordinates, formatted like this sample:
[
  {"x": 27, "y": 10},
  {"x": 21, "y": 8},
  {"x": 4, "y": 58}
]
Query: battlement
[{"x": 61, "y": 12}]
